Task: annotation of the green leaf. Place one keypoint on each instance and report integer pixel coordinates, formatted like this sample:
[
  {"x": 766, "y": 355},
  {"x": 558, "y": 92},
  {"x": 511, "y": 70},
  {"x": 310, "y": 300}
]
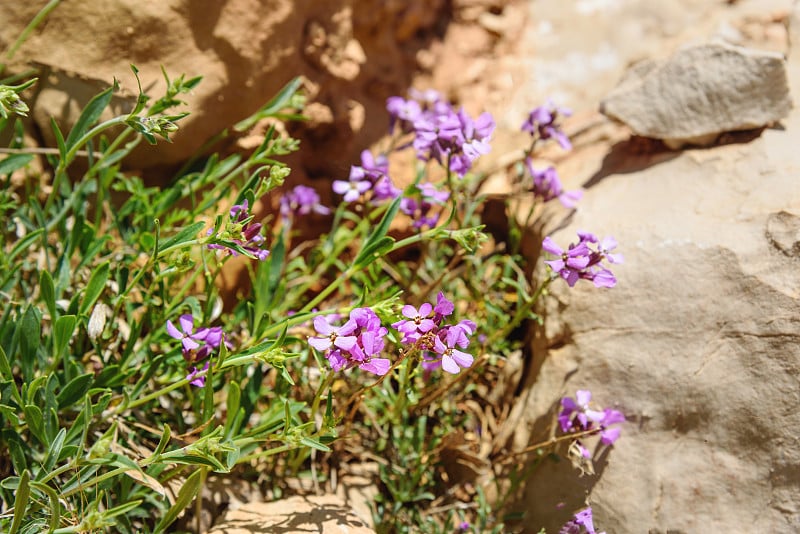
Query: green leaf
[
  {"x": 33, "y": 416},
  {"x": 14, "y": 162},
  {"x": 378, "y": 243},
  {"x": 53, "y": 452},
  {"x": 55, "y": 506},
  {"x": 314, "y": 444},
  {"x": 162, "y": 444},
  {"x": 277, "y": 103},
  {"x": 30, "y": 330},
  {"x": 187, "y": 493},
  {"x": 48, "y": 293},
  {"x": 91, "y": 113},
  {"x": 62, "y": 332},
  {"x": 94, "y": 288},
  {"x": 185, "y": 235},
  {"x": 23, "y": 244},
  {"x": 62, "y": 147},
  {"x": 74, "y": 390},
  {"x": 232, "y": 403},
  {"x": 23, "y": 493}
]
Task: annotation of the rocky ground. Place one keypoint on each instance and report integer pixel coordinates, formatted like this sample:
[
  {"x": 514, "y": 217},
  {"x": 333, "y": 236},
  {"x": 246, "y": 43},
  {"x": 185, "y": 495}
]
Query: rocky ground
[{"x": 698, "y": 345}]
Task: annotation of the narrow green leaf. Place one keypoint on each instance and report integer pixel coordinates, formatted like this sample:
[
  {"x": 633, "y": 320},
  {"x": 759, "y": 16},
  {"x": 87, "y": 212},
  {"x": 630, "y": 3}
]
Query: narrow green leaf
[
  {"x": 14, "y": 162},
  {"x": 62, "y": 147},
  {"x": 5, "y": 367},
  {"x": 54, "y": 451},
  {"x": 62, "y": 333},
  {"x": 23, "y": 493},
  {"x": 314, "y": 444},
  {"x": 74, "y": 390},
  {"x": 187, "y": 493},
  {"x": 187, "y": 234},
  {"x": 30, "y": 329},
  {"x": 94, "y": 288},
  {"x": 377, "y": 241},
  {"x": 277, "y": 103},
  {"x": 33, "y": 416},
  {"x": 232, "y": 403},
  {"x": 162, "y": 444},
  {"x": 121, "y": 509},
  {"x": 90, "y": 115},
  {"x": 23, "y": 244},
  {"x": 48, "y": 293},
  {"x": 55, "y": 506}
]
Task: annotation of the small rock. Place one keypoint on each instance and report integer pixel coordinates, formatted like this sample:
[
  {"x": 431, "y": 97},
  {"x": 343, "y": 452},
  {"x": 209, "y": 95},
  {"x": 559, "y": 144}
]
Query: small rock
[
  {"x": 325, "y": 514},
  {"x": 701, "y": 92}
]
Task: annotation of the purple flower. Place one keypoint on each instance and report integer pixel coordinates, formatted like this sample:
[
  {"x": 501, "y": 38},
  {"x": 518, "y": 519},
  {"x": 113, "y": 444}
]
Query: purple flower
[
  {"x": 581, "y": 519},
  {"x": 419, "y": 209},
  {"x": 547, "y": 186},
  {"x": 579, "y": 261},
  {"x": 356, "y": 343},
  {"x": 302, "y": 200},
  {"x": 372, "y": 174},
  {"x": 351, "y": 190},
  {"x": 577, "y": 416},
  {"x": 452, "y": 358},
  {"x": 331, "y": 335},
  {"x": 450, "y": 137},
  {"x": 543, "y": 122},
  {"x": 197, "y": 345},
  {"x": 195, "y": 380},
  {"x": 243, "y": 232},
  {"x": 417, "y": 322}
]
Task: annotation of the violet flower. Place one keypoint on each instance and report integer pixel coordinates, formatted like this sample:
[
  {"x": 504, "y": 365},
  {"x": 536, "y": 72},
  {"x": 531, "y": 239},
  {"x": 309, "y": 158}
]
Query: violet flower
[
  {"x": 580, "y": 261},
  {"x": 452, "y": 358},
  {"x": 577, "y": 416},
  {"x": 196, "y": 345},
  {"x": 547, "y": 186},
  {"x": 543, "y": 123},
  {"x": 356, "y": 343},
  {"x": 243, "y": 232},
  {"x": 302, "y": 200},
  {"x": 582, "y": 522}
]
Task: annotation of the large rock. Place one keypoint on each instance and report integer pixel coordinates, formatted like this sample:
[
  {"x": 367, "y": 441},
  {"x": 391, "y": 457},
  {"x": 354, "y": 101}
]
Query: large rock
[
  {"x": 700, "y": 92},
  {"x": 699, "y": 344},
  {"x": 354, "y": 53}
]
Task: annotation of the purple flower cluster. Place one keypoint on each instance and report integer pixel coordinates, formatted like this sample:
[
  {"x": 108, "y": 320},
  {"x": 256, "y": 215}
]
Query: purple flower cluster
[
  {"x": 423, "y": 327},
  {"x": 582, "y": 522},
  {"x": 547, "y": 186},
  {"x": 544, "y": 123},
  {"x": 196, "y": 346},
  {"x": 419, "y": 208},
  {"x": 244, "y": 232},
  {"x": 358, "y": 342},
  {"x": 371, "y": 175},
  {"x": 451, "y": 137},
  {"x": 580, "y": 260},
  {"x": 577, "y": 416},
  {"x": 302, "y": 200}
]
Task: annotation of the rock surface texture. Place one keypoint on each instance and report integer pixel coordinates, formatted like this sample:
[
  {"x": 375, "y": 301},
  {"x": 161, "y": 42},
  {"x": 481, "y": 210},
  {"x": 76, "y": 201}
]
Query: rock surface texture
[
  {"x": 701, "y": 92},
  {"x": 699, "y": 344},
  {"x": 318, "y": 514}
]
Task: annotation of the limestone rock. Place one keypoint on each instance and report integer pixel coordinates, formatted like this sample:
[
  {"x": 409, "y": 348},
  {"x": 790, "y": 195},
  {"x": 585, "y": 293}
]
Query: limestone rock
[
  {"x": 351, "y": 52},
  {"x": 700, "y": 92},
  {"x": 325, "y": 514},
  {"x": 699, "y": 345}
]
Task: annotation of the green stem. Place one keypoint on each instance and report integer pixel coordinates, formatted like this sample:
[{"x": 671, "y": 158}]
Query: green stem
[
  {"x": 155, "y": 394},
  {"x": 61, "y": 169},
  {"x": 521, "y": 313},
  {"x": 40, "y": 16}
]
